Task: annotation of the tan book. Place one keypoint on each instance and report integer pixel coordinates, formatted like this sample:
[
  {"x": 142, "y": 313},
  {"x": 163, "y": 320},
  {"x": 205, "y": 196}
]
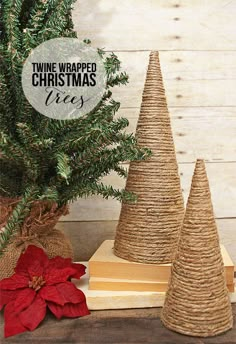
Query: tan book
[
  {"x": 104, "y": 264},
  {"x": 103, "y": 299},
  {"x": 96, "y": 283}
]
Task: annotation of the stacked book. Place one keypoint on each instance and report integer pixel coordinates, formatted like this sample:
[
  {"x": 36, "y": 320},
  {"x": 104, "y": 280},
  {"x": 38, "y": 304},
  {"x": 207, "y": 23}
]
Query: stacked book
[{"x": 109, "y": 272}]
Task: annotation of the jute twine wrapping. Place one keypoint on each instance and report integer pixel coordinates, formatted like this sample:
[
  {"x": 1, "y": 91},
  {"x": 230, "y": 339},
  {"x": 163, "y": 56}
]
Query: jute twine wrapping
[
  {"x": 147, "y": 231},
  {"x": 37, "y": 229},
  {"x": 197, "y": 302}
]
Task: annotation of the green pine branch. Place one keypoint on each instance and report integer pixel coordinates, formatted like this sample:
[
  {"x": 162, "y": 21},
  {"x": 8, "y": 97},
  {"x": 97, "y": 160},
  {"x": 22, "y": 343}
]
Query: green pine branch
[
  {"x": 17, "y": 217},
  {"x": 13, "y": 151},
  {"x": 30, "y": 139},
  {"x": 63, "y": 166},
  {"x": 66, "y": 159}
]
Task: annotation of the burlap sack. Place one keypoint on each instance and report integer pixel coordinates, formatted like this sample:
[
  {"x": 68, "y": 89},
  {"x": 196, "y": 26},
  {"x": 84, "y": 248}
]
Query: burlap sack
[{"x": 37, "y": 229}]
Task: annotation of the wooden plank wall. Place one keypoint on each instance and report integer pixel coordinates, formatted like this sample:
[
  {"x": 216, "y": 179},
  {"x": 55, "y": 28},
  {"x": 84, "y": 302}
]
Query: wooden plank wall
[{"x": 197, "y": 44}]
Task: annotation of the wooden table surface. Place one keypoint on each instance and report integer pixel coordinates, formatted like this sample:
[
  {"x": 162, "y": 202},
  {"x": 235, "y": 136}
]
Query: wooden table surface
[{"x": 136, "y": 326}]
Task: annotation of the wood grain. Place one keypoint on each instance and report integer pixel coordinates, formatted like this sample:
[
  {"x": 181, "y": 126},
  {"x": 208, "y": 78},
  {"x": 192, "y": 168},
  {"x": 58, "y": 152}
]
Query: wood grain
[
  {"x": 206, "y": 132},
  {"x": 193, "y": 65},
  {"x": 190, "y": 78},
  {"x": 134, "y": 326},
  {"x": 86, "y": 237},
  {"x": 197, "y": 44},
  {"x": 184, "y": 93},
  {"x": 157, "y": 24},
  {"x": 222, "y": 179}
]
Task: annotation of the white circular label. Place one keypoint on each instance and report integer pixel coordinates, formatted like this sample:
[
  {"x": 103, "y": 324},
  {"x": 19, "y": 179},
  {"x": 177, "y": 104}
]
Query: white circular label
[{"x": 64, "y": 78}]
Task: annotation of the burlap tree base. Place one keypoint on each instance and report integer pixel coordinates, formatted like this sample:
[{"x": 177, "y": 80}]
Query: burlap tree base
[
  {"x": 147, "y": 231},
  {"x": 197, "y": 302},
  {"x": 38, "y": 229}
]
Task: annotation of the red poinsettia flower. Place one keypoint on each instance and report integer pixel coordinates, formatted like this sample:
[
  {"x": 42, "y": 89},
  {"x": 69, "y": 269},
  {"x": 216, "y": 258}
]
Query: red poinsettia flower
[{"x": 38, "y": 283}]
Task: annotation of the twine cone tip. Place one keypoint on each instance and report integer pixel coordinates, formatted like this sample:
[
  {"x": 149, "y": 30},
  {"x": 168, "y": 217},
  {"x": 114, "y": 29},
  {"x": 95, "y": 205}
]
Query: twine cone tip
[
  {"x": 147, "y": 231},
  {"x": 200, "y": 161}
]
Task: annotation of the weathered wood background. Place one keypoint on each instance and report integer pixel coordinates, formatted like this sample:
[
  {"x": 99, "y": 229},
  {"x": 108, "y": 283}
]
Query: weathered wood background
[{"x": 197, "y": 44}]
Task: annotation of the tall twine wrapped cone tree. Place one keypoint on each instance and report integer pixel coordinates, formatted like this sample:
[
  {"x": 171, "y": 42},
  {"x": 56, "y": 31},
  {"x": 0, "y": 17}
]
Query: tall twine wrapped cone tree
[
  {"x": 47, "y": 163},
  {"x": 197, "y": 302},
  {"x": 147, "y": 231}
]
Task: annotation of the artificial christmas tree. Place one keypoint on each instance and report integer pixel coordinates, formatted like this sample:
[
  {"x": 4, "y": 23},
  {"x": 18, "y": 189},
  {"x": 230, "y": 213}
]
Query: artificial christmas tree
[
  {"x": 197, "y": 302},
  {"x": 46, "y": 163},
  {"x": 147, "y": 231}
]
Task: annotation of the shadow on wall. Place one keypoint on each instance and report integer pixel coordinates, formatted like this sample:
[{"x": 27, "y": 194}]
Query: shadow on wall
[
  {"x": 86, "y": 237},
  {"x": 89, "y": 11}
]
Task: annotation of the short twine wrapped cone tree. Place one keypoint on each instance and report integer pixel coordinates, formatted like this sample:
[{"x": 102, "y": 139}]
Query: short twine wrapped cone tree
[
  {"x": 147, "y": 231},
  {"x": 197, "y": 302}
]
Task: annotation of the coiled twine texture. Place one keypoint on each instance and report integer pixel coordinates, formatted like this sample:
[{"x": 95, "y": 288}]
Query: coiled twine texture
[
  {"x": 148, "y": 230},
  {"x": 197, "y": 302}
]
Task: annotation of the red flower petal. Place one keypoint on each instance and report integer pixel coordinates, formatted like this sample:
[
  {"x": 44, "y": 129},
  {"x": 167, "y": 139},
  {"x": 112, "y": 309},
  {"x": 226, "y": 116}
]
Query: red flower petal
[
  {"x": 55, "y": 309},
  {"x": 50, "y": 293},
  {"x": 13, "y": 324},
  {"x": 60, "y": 263},
  {"x": 62, "y": 293},
  {"x": 32, "y": 316},
  {"x": 54, "y": 276},
  {"x": 69, "y": 292},
  {"x": 35, "y": 269},
  {"x": 16, "y": 281},
  {"x": 24, "y": 299},
  {"x": 7, "y": 296},
  {"x": 29, "y": 257},
  {"x": 80, "y": 270},
  {"x": 69, "y": 310}
]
